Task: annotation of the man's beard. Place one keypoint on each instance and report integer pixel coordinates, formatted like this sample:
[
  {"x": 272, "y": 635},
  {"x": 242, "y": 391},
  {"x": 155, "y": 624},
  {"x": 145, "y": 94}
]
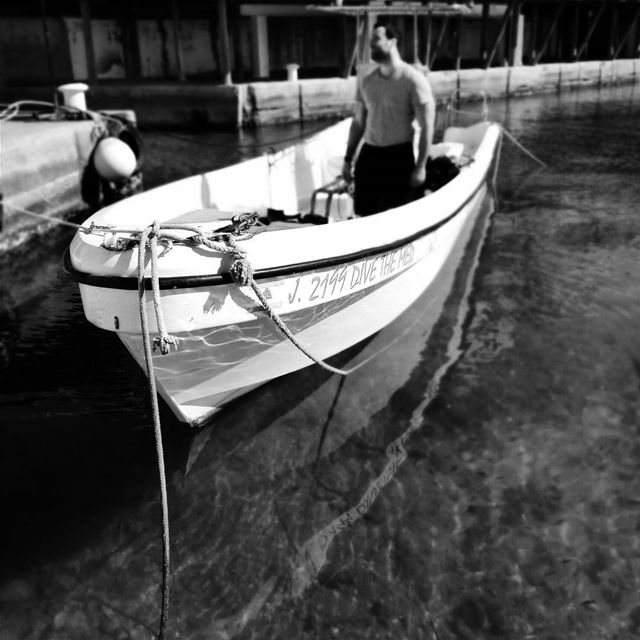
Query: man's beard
[{"x": 380, "y": 56}]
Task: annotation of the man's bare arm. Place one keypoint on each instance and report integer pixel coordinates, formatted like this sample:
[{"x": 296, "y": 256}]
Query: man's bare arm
[
  {"x": 356, "y": 131},
  {"x": 426, "y": 117}
]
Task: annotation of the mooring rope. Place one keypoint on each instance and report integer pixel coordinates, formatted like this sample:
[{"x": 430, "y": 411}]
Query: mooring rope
[
  {"x": 164, "y": 340},
  {"x": 150, "y": 234},
  {"x": 485, "y": 114},
  {"x": 92, "y": 228},
  {"x": 522, "y": 147},
  {"x": 241, "y": 272}
]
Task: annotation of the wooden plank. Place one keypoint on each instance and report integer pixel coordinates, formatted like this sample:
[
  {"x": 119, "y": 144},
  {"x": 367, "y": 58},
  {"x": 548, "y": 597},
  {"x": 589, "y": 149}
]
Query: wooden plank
[{"x": 385, "y": 10}]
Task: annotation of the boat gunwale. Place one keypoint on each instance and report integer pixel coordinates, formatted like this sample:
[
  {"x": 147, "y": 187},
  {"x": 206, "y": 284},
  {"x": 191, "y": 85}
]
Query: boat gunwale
[{"x": 130, "y": 283}]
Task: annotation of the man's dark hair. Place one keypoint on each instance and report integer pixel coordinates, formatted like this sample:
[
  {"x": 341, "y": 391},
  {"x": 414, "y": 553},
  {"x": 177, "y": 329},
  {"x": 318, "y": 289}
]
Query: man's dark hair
[{"x": 389, "y": 30}]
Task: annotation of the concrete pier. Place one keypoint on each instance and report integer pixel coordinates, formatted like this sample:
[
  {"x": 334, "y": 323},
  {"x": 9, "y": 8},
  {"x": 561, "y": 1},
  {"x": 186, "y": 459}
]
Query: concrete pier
[
  {"x": 43, "y": 164},
  {"x": 259, "y": 104}
]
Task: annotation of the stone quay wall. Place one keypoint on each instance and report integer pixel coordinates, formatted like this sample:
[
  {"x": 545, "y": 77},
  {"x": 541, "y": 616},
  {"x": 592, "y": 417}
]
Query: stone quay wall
[{"x": 258, "y": 104}]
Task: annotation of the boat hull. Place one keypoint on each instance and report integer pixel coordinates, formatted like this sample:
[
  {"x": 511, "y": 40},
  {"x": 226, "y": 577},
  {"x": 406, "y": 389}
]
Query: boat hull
[
  {"x": 333, "y": 285},
  {"x": 212, "y": 366}
]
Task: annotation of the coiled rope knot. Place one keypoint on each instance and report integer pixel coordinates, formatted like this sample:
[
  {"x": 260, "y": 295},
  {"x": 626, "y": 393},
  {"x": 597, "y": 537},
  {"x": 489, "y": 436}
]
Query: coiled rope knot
[
  {"x": 241, "y": 270},
  {"x": 164, "y": 343}
]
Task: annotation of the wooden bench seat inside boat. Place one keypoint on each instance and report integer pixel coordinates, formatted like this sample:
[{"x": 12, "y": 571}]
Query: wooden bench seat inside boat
[
  {"x": 204, "y": 215},
  {"x": 212, "y": 219}
]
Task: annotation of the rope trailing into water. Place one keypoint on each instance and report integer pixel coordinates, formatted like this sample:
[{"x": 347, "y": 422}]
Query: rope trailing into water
[
  {"x": 92, "y": 228},
  {"x": 522, "y": 147},
  {"x": 240, "y": 271},
  {"x": 150, "y": 233},
  {"x": 485, "y": 115}
]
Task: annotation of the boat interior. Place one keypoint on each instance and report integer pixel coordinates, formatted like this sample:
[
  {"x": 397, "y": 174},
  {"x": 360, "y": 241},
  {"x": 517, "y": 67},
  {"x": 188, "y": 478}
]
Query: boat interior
[
  {"x": 299, "y": 185},
  {"x": 328, "y": 198}
]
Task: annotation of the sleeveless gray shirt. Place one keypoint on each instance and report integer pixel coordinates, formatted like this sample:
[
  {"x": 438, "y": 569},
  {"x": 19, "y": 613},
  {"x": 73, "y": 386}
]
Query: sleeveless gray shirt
[{"x": 391, "y": 104}]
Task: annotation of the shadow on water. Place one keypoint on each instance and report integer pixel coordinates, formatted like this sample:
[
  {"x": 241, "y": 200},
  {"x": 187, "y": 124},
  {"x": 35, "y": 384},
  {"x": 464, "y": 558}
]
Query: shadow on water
[
  {"x": 413, "y": 499},
  {"x": 79, "y": 480}
]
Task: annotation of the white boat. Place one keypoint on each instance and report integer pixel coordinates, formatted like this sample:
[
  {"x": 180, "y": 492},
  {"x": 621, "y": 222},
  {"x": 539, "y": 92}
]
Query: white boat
[{"x": 332, "y": 285}]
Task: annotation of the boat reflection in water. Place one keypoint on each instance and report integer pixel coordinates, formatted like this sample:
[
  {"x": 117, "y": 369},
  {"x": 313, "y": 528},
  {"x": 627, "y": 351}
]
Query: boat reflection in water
[{"x": 295, "y": 491}]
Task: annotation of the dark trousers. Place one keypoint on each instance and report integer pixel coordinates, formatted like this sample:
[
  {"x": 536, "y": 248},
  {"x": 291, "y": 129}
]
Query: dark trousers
[{"x": 382, "y": 177}]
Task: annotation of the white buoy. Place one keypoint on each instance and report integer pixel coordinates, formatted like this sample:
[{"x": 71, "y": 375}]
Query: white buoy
[
  {"x": 73, "y": 94},
  {"x": 114, "y": 159}
]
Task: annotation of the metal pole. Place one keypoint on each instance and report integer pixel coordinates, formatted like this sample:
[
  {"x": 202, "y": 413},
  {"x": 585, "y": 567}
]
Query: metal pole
[
  {"x": 458, "y": 41},
  {"x": 130, "y": 47},
  {"x": 513, "y": 30},
  {"x": 47, "y": 44},
  {"x": 501, "y": 32},
  {"x": 175, "y": 15},
  {"x": 574, "y": 32},
  {"x": 483, "y": 32},
  {"x": 535, "y": 15},
  {"x": 354, "y": 53},
  {"x": 443, "y": 28},
  {"x": 550, "y": 33},
  {"x": 613, "y": 28},
  {"x": 427, "y": 53},
  {"x": 594, "y": 24},
  {"x": 85, "y": 12},
  {"x": 223, "y": 32},
  {"x": 632, "y": 26},
  {"x": 416, "y": 58}
]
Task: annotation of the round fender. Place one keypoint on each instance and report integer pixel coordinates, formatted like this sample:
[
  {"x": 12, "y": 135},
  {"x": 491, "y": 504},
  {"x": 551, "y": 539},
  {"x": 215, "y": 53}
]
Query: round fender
[{"x": 114, "y": 159}]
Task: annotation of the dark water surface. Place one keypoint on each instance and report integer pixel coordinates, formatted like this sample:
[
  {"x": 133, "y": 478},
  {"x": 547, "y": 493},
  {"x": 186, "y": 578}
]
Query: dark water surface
[{"x": 481, "y": 481}]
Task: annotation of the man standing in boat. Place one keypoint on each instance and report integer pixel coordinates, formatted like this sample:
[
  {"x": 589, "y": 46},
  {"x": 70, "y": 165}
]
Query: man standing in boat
[{"x": 388, "y": 101}]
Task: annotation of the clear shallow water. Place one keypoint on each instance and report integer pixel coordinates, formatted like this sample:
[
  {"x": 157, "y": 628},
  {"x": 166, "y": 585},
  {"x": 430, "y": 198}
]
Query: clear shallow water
[{"x": 502, "y": 450}]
